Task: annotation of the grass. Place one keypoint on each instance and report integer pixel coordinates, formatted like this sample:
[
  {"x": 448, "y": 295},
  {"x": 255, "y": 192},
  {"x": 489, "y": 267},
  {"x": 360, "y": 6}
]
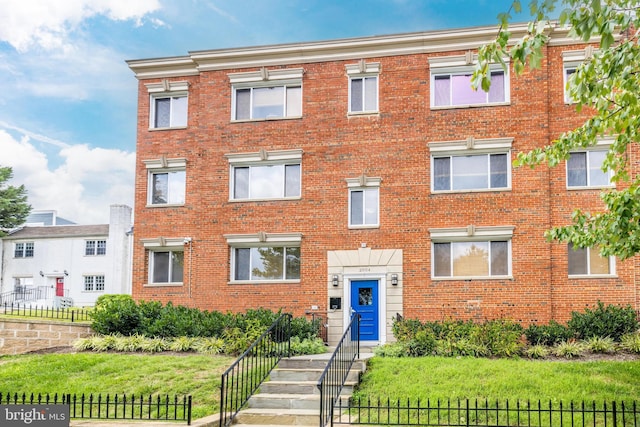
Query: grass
[
  {"x": 500, "y": 379},
  {"x": 79, "y": 373}
]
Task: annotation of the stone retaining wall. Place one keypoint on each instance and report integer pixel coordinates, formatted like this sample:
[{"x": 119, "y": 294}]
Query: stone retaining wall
[{"x": 23, "y": 336}]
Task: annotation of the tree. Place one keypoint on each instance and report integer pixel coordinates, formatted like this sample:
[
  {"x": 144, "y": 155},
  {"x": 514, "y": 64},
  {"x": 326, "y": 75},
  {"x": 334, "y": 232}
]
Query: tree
[
  {"x": 14, "y": 208},
  {"x": 608, "y": 83}
]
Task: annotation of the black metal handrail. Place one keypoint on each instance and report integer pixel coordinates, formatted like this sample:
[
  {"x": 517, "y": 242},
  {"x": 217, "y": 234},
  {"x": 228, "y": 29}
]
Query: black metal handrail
[
  {"x": 72, "y": 314},
  {"x": 246, "y": 374},
  {"x": 485, "y": 413},
  {"x": 337, "y": 370},
  {"x": 24, "y": 294},
  {"x": 113, "y": 406}
]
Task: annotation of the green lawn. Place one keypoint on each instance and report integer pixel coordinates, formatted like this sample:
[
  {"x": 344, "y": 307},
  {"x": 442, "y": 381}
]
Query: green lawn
[
  {"x": 78, "y": 373},
  {"x": 501, "y": 379}
]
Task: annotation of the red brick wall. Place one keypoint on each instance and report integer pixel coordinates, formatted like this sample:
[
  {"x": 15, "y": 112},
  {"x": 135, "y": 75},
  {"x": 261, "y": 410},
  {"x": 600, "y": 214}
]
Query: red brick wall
[{"x": 392, "y": 145}]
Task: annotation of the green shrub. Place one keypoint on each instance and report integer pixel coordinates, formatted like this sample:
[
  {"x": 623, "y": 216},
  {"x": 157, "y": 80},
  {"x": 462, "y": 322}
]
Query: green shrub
[
  {"x": 307, "y": 346},
  {"x": 396, "y": 349},
  {"x": 422, "y": 344},
  {"x": 500, "y": 337},
  {"x": 183, "y": 344},
  {"x": 548, "y": 335},
  {"x": 115, "y": 314},
  {"x": 83, "y": 344},
  {"x": 537, "y": 351},
  {"x": 600, "y": 345},
  {"x": 210, "y": 346},
  {"x": 569, "y": 349},
  {"x": 610, "y": 321},
  {"x": 154, "y": 345},
  {"x": 132, "y": 343},
  {"x": 631, "y": 342}
]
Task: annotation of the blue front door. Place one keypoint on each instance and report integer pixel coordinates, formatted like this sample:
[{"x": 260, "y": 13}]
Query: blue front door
[{"x": 364, "y": 301}]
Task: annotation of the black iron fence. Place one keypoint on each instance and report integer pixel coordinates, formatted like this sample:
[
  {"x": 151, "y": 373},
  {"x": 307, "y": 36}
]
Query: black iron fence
[
  {"x": 70, "y": 314},
  {"x": 246, "y": 374},
  {"x": 22, "y": 294},
  {"x": 337, "y": 370},
  {"x": 113, "y": 407},
  {"x": 485, "y": 413}
]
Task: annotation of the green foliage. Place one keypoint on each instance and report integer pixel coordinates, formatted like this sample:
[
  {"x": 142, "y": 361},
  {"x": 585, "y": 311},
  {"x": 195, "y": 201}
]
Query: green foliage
[
  {"x": 537, "y": 351},
  {"x": 569, "y": 349},
  {"x": 307, "y": 346},
  {"x": 597, "y": 344},
  {"x": 631, "y": 342},
  {"x": 183, "y": 344},
  {"x": 14, "y": 208},
  {"x": 607, "y": 83},
  {"x": 395, "y": 349},
  {"x": 610, "y": 321},
  {"x": 154, "y": 345},
  {"x": 115, "y": 314},
  {"x": 210, "y": 346},
  {"x": 548, "y": 335}
]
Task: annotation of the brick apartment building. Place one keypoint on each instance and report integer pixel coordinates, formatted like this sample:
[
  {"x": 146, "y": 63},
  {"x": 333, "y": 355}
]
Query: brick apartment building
[{"x": 365, "y": 174}]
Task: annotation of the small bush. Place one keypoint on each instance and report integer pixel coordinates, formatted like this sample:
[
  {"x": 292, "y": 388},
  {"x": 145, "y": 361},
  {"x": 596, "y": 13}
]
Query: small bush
[
  {"x": 569, "y": 349},
  {"x": 154, "y": 345},
  {"x": 83, "y": 344},
  {"x": 601, "y": 345},
  {"x": 396, "y": 349},
  {"x": 307, "y": 346},
  {"x": 210, "y": 346},
  {"x": 132, "y": 343},
  {"x": 537, "y": 351},
  {"x": 183, "y": 344},
  {"x": 610, "y": 321},
  {"x": 115, "y": 314},
  {"x": 548, "y": 335},
  {"x": 631, "y": 342}
]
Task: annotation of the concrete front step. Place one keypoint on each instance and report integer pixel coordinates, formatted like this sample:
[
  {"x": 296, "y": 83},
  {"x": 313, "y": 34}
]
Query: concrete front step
[
  {"x": 301, "y": 374},
  {"x": 299, "y": 387},
  {"x": 278, "y": 417}
]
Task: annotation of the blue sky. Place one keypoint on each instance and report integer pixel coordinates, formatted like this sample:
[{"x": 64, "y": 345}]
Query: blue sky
[{"x": 68, "y": 104}]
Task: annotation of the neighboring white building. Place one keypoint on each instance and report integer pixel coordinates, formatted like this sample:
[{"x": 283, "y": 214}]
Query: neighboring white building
[{"x": 52, "y": 262}]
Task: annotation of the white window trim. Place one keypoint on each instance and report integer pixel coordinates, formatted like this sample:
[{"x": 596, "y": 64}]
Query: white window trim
[
  {"x": 362, "y": 70},
  {"x": 265, "y": 78},
  {"x": 463, "y": 64},
  {"x": 572, "y": 59},
  {"x": 163, "y": 244},
  {"x": 163, "y": 165},
  {"x": 363, "y": 182},
  {"x": 263, "y": 158},
  {"x": 94, "y": 283},
  {"x": 469, "y": 147},
  {"x": 612, "y": 268},
  {"x": 95, "y": 248},
  {"x": 472, "y": 233},
  {"x": 257, "y": 240},
  {"x": 601, "y": 143},
  {"x": 166, "y": 89},
  {"x": 24, "y": 249}
]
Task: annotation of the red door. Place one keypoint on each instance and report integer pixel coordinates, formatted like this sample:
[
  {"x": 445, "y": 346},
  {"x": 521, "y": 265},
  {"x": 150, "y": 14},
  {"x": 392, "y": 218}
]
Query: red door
[{"x": 60, "y": 286}]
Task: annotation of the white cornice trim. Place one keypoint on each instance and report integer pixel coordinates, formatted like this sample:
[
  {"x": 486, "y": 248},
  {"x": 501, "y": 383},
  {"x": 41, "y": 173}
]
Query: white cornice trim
[
  {"x": 164, "y": 163},
  {"x": 471, "y": 232},
  {"x": 265, "y": 74},
  {"x": 331, "y": 50},
  {"x": 470, "y": 143},
  {"x": 262, "y": 239},
  {"x": 264, "y": 156},
  {"x": 163, "y": 242}
]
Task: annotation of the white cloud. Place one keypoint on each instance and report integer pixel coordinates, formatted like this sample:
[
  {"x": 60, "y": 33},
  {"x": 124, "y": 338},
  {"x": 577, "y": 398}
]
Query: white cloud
[
  {"x": 82, "y": 188},
  {"x": 47, "y": 24}
]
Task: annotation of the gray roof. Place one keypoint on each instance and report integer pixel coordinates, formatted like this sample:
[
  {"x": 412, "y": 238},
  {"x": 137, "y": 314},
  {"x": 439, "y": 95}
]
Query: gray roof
[{"x": 59, "y": 231}]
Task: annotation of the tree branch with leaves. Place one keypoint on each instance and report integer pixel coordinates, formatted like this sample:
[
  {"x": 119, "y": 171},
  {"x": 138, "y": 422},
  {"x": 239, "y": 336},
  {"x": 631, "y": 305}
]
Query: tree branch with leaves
[{"x": 608, "y": 83}]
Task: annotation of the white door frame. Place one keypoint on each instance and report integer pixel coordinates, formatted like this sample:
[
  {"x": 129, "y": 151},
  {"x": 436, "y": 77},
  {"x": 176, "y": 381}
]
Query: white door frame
[{"x": 382, "y": 302}]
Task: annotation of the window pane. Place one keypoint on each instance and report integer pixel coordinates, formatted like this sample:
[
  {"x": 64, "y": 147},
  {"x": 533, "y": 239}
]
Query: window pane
[
  {"x": 365, "y": 296},
  {"x": 577, "y": 260},
  {"x": 371, "y": 94},
  {"x": 470, "y": 258},
  {"x": 371, "y": 206},
  {"x": 577, "y": 170},
  {"x": 442, "y": 173},
  {"x": 177, "y": 266},
  {"x": 28, "y": 249},
  {"x": 268, "y": 102},
  {"x": 470, "y": 172},
  {"x": 463, "y": 94},
  {"x": 496, "y": 91},
  {"x": 498, "y": 170},
  {"x": 241, "y": 183},
  {"x": 442, "y": 259},
  {"x": 357, "y": 208},
  {"x": 101, "y": 248},
  {"x": 568, "y": 73},
  {"x": 267, "y": 263},
  {"x": 266, "y": 182},
  {"x": 90, "y": 248},
  {"x": 160, "y": 267},
  {"x": 159, "y": 191},
  {"x": 356, "y": 95},
  {"x": 243, "y": 104},
  {"x": 177, "y": 187},
  {"x": 88, "y": 283},
  {"x": 163, "y": 112},
  {"x": 243, "y": 263},
  {"x": 179, "y": 111},
  {"x": 294, "y": 101},
  {"x": 597, "y": 177},
  {"x": 99, "y": 283},
  {"x": 292, "y": 180},
  {"x": 598, "y": 264},
  {"x": 442, "y": 90},
  {"x": 19, "y": 251},
  {"x": 293, "y": 263},
  {"x": 499, "y": 258}
]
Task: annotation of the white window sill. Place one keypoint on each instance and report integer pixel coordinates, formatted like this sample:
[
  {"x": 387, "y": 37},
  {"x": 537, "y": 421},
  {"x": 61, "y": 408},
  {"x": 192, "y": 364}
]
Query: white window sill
[
  {"x": 277, "y": 199},
  {"x": 595, "y": 187},
  {"x": 363, "y": 227},
  {"x": 92, "y": 292},
  {"x": 168, "y": 128},
  {"x": 363, "y": 113},
  {"x": 470, "y": 278},
  {"x": 163, "y": 285},
  {"x": 266, "y": 119},
  {"x": 264, "y": 282},
  {"x": 166, "y": 205},
  {"x": 453, "y": 107},
  {"x": 593, "y": 276},
  {"x": 474, "y": 190}
]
